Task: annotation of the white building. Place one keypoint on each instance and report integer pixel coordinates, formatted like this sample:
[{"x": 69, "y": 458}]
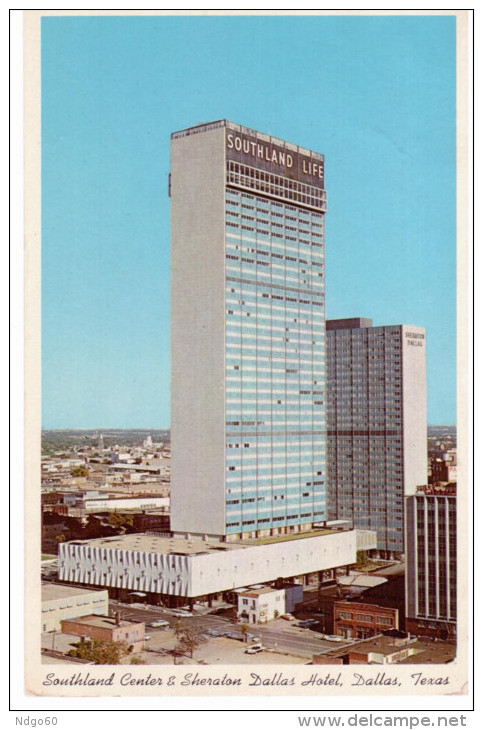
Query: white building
[
  {"x": 248, "y": 334},
  {"x": 61, "y": 602},
  {"x": 376, "y": 424},
  {"x": 257, "y": 606},
  {"x": 199, "y": 568}
]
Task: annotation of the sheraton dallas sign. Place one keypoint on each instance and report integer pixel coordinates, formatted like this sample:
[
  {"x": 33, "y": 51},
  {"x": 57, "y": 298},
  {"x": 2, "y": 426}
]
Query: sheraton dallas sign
[{"x": 274, "y": 158}]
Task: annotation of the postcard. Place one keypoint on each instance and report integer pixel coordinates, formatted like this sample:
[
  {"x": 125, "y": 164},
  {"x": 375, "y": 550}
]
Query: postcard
[{"x": 246, "y": 250}]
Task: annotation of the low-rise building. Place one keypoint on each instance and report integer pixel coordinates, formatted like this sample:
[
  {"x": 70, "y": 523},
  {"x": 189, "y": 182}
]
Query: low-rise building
[
  {"x": 393, "y": 647},
  {"x": 60, "y": 602},
  {"x": 363, "y": 620},
  {"x": 257, "y": 606},
  {"x": 179, "y": 568},
  {"x": 104, "y": 628}
]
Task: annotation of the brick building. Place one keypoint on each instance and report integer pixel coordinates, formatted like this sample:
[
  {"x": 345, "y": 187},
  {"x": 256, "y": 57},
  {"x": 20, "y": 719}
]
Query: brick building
[{"x": 363, "y": 620}]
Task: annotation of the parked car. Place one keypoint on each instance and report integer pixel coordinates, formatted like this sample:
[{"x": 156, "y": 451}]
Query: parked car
[
  {"x": 288, "y": 617},
  {"x": 180, "y": 612},
  {"x": 254, "y": 649},
  {"x": 212, "y": 632},
  {"x": 160, "y": 625},
  {"x": 147, "y": 637}
]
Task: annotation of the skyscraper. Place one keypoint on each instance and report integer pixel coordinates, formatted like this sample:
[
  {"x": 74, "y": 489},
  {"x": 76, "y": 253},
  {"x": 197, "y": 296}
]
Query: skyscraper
[
  {"x": 376, "y": 424},
  {"x": 248, "y": 334}
]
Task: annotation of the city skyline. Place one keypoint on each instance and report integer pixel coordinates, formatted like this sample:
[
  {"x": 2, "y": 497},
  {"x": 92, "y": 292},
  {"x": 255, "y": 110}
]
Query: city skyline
[{"x": 379, "y": 103}]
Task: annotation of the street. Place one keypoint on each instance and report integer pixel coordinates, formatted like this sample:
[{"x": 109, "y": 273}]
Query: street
[{"x": 278, "y": 634}]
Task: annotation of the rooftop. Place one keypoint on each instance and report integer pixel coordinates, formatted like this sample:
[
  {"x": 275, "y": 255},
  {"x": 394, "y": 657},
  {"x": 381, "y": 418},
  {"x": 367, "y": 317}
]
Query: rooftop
[
  {"x": 103, "y": 622},
  {"x": 207, "y": 126},
  {"x": 423, "y": 651},
  {"x": 52, "y": 591},
  {"x": 177, "y": 545}
]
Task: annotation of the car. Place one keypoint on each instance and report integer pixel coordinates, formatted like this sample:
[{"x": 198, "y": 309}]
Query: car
[
  {"x": 232, "y": 635},
  {"x": 181, "y": 613},
  {"x": 212, "y": 632},
  {"x": 288, "y": 617},
  {"x": 254, "y": 650},
  {"x": 147, "y": 637},
  {"x": 159, "y": 625}
]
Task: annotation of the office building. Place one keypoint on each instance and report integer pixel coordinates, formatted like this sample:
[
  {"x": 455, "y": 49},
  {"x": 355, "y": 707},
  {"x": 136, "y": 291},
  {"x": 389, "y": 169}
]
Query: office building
[
  {"x": 431, "y": 561},
  {"x": 376, "y": 424},
  {"x": 248, "y": 343}
]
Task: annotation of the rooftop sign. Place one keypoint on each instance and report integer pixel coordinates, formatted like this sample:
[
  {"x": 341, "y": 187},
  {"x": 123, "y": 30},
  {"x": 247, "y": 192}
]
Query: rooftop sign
[{"x": 271, "y": 157}]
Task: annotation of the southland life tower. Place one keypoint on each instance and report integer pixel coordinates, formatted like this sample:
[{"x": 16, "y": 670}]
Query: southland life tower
[{"x": 248, "y": 344}]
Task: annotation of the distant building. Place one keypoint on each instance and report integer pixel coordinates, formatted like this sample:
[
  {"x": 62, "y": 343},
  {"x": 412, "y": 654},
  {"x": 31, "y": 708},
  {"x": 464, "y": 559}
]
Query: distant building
[
  {"x": 444, "y": 468},
  {"x": 257, "y": 606},
  {"x": 376, "y": 424},
  {"x": 431, "y": 555},
  {"x": 61, "y": 602},
  {"x": 104, "y": 628}
]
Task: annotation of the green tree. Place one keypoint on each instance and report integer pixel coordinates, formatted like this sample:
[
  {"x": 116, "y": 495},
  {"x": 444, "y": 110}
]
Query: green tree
[
  {"x": 101, "y": 652},
  {"x": 362, "y": 559},
  {"x": 80, "y": 471},
  {"x": 119, "y": 520},
  {"x": 245, "y": 631}
]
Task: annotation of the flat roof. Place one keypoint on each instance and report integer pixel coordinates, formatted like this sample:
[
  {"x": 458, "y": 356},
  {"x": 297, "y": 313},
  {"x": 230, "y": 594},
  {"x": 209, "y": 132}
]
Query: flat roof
[
  {"x": 103, "y": 622},
  {"x": 423, "y": 650},
  {"x": 158, "y": 544},
  {"x": 207, "y": 126},
  {"x": 51, "y": 591}
]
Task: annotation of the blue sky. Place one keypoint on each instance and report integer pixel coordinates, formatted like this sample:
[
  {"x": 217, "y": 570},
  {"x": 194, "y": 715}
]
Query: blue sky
[{"x": 375, "y": 95}]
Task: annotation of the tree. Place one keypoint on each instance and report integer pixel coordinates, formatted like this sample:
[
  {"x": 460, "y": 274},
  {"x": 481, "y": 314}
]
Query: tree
[
  {"x": 137, "y": 660},
  {"x": 101, "y": 652},
  {"x": 188, "y": 637},
  {"x": 80, "y": 471},
  {"x": 118, "y": 520},
  {"x": 245, "y": 631},
  {"x": 362, "y": 559}
]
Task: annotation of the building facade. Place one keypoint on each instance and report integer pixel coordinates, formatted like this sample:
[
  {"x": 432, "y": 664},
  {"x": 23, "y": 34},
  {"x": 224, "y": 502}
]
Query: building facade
[
  {"x": 169, "y": 568},
  {"x": 248, "y": 343},
  {"x": 354, "y": 620},
  {"x": 376, "y": 424},
  {"x": 431, "y": 579},
  {"x": 258, "y": 606}
]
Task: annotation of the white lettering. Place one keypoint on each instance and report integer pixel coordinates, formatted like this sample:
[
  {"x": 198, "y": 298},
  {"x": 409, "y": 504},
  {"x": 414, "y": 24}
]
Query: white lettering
[
  {"x": 229, "y": 141},
  {"x": 238, "y": 144}
]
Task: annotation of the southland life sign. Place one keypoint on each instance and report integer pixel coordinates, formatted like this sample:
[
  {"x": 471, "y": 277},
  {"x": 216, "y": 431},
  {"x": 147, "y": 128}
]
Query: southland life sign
[{"x": 271, "y": 157}]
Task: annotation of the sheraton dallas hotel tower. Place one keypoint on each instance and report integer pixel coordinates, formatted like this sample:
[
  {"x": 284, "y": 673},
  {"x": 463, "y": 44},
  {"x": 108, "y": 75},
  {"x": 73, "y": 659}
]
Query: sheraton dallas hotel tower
[{"x": 248, "y": 345}]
